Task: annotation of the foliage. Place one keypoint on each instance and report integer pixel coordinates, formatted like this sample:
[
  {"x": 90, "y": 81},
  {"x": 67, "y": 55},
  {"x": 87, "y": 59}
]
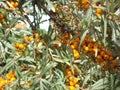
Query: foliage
[{"x": 80, "y": 51}]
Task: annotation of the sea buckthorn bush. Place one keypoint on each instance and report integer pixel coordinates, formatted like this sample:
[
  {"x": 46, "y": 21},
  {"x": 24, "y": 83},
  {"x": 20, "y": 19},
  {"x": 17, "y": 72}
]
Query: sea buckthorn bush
[{"x": 79, "y": 51}]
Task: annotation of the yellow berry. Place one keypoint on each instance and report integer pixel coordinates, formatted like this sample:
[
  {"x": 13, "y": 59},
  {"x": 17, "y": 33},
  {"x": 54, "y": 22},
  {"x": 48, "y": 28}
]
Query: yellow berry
[
  {"x": 76, "y": 54},
  {"x": 77, "y": 85},
  {"x": 86, "y": 48},
  {"x": 26, "y": 39},
  {"x": 69, "y": 73},
  {"x": 12, "y": 3},
  {"x": 31, "y": 39},
  {"x": 37, "y": 35},
  {"x": 21, "y": 47},
  {"x": 72, "y": 88},
  {"x": 71, "y": 78},
  {"x": 71, "y": 83}
]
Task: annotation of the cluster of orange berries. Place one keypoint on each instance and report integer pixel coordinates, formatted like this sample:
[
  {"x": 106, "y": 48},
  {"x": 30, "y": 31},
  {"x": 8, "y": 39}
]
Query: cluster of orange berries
[
  {"x": 13, "y": 5},
  {"x": 2, "y": 19},
  {"x": 27, "y": 39},
  {"x": 10, "y": 77},
  {"x": 84, "y": 4},
  {"x": 72, "y": 81},
  {"x": 19, "y": 46},
  {"x": 65, "y": 40},
  {"x": 99, "y": 54},
  {"x": 96, "y": 51},
  {"x": 35, "y": 37},
  {"x": 74, "y": 46},
  {"x": 92, "y": 49}
]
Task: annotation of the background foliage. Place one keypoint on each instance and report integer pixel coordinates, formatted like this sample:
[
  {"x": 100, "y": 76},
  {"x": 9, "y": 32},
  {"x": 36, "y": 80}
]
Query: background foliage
[{"x": 80, "y": 50}]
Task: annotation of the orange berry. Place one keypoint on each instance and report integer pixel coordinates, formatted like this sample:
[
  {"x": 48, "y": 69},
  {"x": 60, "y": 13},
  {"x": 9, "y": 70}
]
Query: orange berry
[
  {"x": 106, "y": 57},
  {"x": 98, "y": 57},
  {"x": 29, "y": 83},
  {"x": 94, "y": 49},
  {"x": 12, "y": 3},
  {"x": 69, "y": 6},
  {"x": 65, "y": 35},
  {"x": 11, "y": 76},
  {"x": 3, "y": 20},
  {"x": 25, "y": 40},
  {"x": 113, "y": 62},
  {"x": 78, "y": 5},
  {"x": 71, "y": 83},
  {"x": 11, "y": 9},
  {"x": 77, "y": 39},
  {"x": 69, "y": 73},
  {"x": 102, "y": 53},
  {"x": 16, "y": 4},
  {"x": 3, "y": 82},
  {"x": 71, "y": 78},
  {"x": 75, "y": 80},
  {"x": 1, "y": 16},
  {"x": 99, "y": 11},
  {"x": 16, "y": 44},
  {"x": 75, "y": 44},
  {"x": 38, "y": 40},
  {"x": 37, "y": 35},
  {"x": 110, "y": 58},
  {"x": 86, "y": 6},
  {"x": 116, "y": 70},
  {"x": 55, "y": 45},
  {"x": 21, "y": 47},
  {"x": 72, "y": 46},
  {"x": 84, "y": 2}
]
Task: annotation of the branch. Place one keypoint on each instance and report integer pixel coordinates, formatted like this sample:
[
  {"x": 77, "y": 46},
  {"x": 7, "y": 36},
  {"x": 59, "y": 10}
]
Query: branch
[{"x": 52, "y": 15}]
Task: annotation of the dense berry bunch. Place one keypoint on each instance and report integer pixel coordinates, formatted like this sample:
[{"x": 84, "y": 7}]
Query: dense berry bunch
[
  {"x": 27, "y": 41},
  {"x": 72, "y": 80},
  {"x": 91, "y": 48},
  {"x": 12, "y": 5},
  {"x": 10, "y": 78}
]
